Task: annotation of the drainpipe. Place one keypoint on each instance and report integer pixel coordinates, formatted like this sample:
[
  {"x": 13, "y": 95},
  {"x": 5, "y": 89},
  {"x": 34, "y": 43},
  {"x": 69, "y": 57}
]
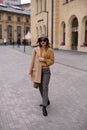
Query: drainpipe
[
  {"x": 47, "y": 23},
  {"x": 52, "y": 22}
]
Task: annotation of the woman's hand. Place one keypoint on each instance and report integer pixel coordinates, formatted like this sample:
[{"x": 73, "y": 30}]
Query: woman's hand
[{"x": 41, "y": 59}]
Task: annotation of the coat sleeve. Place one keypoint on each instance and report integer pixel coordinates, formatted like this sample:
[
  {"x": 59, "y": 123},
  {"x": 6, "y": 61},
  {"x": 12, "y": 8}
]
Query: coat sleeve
[
  {"x": 32, "y": 62},
  {"x": 50, "y": 60}
]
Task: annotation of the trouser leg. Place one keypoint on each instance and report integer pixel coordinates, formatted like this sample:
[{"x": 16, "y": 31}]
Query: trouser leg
[
  {"x": 44, "y": 85},
  {"x": 41, "y": 87}
]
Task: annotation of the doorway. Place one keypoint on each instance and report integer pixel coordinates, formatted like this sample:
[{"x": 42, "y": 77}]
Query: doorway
[{"x": 74, "y": 41}]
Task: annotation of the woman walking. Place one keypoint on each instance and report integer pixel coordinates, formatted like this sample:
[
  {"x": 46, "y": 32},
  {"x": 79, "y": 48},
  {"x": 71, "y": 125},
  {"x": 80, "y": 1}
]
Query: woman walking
[{"x": 42, "y": 59}]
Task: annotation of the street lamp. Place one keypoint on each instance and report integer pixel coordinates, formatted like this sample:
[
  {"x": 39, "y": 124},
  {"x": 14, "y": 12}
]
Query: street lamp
[{"x": 24, "y": 40}]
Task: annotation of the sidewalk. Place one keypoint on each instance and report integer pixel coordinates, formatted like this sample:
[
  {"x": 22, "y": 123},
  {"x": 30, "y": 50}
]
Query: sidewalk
[
  {"x": 19, "y": 101},
  {"x": 73, "y": 59}
]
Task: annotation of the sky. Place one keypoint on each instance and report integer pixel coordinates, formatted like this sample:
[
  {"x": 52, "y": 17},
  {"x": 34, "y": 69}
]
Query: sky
[{"x": 25, "y": 1}]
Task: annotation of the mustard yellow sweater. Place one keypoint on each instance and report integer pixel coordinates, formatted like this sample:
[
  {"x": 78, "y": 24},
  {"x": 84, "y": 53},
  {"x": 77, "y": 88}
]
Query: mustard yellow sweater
[{"x": 48, "y": 56}]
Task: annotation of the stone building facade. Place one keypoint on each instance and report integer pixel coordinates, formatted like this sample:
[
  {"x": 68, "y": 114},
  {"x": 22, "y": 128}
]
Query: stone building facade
[
  {"x": 64, "y": 21},
  {"x": 14, "y": 23},
  {"x": 41, "y": 19}
]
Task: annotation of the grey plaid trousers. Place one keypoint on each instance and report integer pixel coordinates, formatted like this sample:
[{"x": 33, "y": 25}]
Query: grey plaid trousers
[{"x": 43, "y": 87}]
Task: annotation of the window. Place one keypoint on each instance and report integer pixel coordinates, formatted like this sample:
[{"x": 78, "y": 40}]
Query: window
[
  {"x": 37, "y": 32},
  {"x": 75, "y": 25},
  {"x": 44, "y": 29},
  {"x": 9, "y": 30},
  {"x": 27, "y": 20},
  {"x": 0, "y": 31},
  {"x": 18, "y": 32},
  {"x": 74, "y": 33},
  {"x": 40, "y": 30},
  {"x": 27, "y": 29},
  {"x": 9, "y": 18},
  {"x": 18, "y": 19}
]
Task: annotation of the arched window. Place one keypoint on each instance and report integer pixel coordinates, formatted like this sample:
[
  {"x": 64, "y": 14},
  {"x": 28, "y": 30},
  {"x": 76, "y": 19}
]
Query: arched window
[
  {"x": 37, "y": 32},
  {"x": 74, "y": 33},
  {"x": 40, "y": 30},
  {"x": 44, "y": 29},
  {"x": 75, "y": 25}
]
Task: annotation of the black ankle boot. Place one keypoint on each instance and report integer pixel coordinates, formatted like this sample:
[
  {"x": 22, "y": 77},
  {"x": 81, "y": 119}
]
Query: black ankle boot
[
  {"x": 44, "y": 111},
  {"x": 41, "y": 105},
  {"x": 48, "y": 103}
]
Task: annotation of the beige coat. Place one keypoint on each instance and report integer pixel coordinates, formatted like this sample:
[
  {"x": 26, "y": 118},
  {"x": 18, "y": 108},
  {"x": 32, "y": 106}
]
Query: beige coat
[{"x": 35, "y": 66}]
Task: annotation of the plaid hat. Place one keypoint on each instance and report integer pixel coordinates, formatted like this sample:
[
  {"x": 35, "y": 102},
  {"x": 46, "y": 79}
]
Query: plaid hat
[{"x": 43, "y": 36}]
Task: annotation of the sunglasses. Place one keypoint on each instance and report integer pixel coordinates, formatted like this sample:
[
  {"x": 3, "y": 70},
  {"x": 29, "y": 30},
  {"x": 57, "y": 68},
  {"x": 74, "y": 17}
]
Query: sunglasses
[{"x": 44, "y": 40}]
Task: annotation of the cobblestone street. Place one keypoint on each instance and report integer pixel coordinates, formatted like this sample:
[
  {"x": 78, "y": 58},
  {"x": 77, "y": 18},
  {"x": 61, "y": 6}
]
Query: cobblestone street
[{"x": 19, "y": 101}]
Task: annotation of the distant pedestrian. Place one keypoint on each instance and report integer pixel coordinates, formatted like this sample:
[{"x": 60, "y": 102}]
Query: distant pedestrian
[
  {"x": 5, "y": 41},
  {"x": 18, "y": 42},
  {"x": 42, "y": 59},
  {"x": 13, "y": 43},
  {"x": 24, "y": 42}
]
